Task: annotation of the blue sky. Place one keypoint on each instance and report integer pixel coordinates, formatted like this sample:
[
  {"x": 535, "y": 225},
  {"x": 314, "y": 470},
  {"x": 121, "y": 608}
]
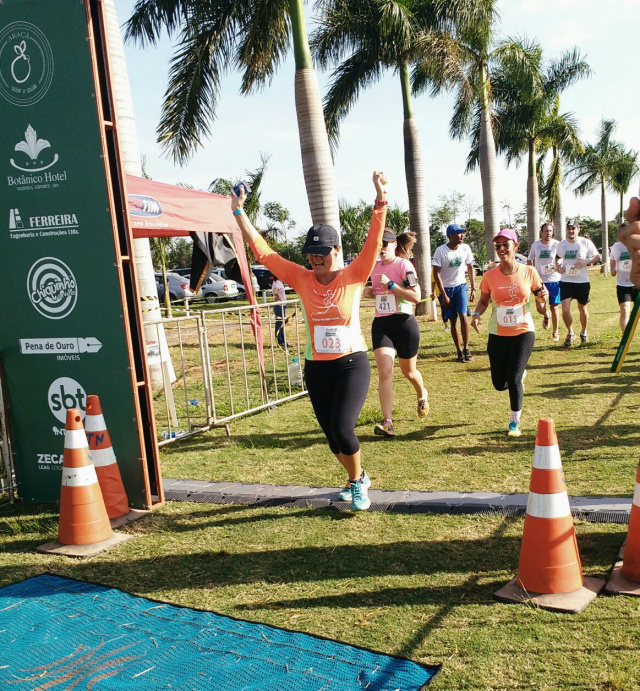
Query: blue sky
[{"x": 371, "y": 135}]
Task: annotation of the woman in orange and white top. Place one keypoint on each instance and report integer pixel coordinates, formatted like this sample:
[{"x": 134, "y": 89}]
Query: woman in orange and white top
[
  {"x": 337, "y": 370},
  {"x": 511, "y": 330}
]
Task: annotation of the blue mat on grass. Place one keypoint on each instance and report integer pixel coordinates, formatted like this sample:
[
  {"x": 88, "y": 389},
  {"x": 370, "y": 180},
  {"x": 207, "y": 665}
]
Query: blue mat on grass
[{"x": 60, "y": 633}]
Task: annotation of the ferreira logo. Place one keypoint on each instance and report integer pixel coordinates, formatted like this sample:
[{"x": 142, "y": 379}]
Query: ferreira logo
[
  {"x": 52, "y": 288},
  {"x": 26, "y": 64}
]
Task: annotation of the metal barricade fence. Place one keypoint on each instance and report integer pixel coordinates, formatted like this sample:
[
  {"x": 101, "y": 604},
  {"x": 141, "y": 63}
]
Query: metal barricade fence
[
  {"x": 217, "y": 368},
  {"x": 8, "y": 484}
]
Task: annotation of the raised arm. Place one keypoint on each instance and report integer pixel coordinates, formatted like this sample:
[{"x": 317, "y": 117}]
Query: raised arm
[
  {"x": 284, "y": 269},
  {"x": 363, "y": 265},
  {"x": 249, "y": 233}
]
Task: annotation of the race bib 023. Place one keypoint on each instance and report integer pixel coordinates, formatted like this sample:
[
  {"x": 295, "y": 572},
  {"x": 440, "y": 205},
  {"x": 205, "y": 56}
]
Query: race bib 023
[{"x": 332, "y": 339}]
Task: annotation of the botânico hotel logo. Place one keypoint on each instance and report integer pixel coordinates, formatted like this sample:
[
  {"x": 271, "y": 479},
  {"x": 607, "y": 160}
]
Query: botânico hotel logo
[{"x": 31, "y": 164}]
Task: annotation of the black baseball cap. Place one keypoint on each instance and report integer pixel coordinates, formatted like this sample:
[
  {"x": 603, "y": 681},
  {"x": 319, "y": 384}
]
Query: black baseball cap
[
  {"x": 321, "y": 239},
  {"x": 389, "y": 235}
]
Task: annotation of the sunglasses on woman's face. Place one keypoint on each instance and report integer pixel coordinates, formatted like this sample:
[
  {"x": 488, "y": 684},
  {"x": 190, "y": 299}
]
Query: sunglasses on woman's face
[
  {"x": 498, "y": 245},
  {"x": 385, "y": 243}
]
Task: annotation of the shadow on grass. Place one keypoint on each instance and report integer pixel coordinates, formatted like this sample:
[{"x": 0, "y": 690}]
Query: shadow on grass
[{"x": 202, "y": 568}]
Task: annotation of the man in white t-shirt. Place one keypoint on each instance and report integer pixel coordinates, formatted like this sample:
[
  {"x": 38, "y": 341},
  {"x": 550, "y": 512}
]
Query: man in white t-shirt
[
  {"x": 573, "y": 256},
  {"x": 279, "y": 295},
  {"x": 451, "y": 264},
  {"x": 620, "y": 265},
  {"x": 542, "y": 255}
]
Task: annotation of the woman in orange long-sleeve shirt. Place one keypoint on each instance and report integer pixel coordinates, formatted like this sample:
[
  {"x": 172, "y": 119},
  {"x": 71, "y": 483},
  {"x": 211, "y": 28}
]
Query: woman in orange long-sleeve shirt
[{"x": 337, "y": 369}]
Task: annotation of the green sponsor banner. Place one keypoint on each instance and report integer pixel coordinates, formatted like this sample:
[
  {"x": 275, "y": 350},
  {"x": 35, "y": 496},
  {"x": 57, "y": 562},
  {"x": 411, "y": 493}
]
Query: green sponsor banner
[{"x": 63, "y": 334}]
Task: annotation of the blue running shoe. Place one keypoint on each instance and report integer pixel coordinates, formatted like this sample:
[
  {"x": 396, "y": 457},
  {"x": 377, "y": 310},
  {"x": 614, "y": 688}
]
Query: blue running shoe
[
  {"x": 345, "y": 492},
  {"x": 359, "y": 496},
  {"x": 514, "y": 430}
]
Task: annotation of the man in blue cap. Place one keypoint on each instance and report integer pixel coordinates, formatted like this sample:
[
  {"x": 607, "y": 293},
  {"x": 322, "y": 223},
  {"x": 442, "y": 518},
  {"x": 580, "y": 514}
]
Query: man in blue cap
[{"x": 451, "y": 264}]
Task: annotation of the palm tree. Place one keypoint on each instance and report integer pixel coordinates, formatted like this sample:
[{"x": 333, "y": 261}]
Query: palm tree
[
  {"x": 562, "y": 136},
  {"x": 363, "y": 39},
  {"x": 468, "y": 62},
  {"x": 527, "y": 95},
  {"x": 625, "y": 169},
  {"x": 254, "y": 36},
  {"x": 595, "y": 168},
  {"x": 133, "y": 165}
]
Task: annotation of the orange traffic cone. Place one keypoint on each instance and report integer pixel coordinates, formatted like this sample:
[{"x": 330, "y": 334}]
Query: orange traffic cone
[
  {"x": 549, "y": 559},
  {"x": 631, "y": 558},
  {"x": 549, "y": 572},
  {"x": 83, "y": 517},
  {"x": 104, "y": 460},
  {"x": 625, "y": 575}
]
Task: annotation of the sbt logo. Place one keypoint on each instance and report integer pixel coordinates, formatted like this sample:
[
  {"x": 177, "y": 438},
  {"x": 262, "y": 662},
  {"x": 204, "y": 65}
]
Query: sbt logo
[{"x": 65, "y": 393}]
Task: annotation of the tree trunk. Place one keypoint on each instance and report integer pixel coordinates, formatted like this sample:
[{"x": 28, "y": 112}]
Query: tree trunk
[
  {"x": 317, "y": 164},
  {"x": 621, "y": 219},
  {"x": 130, "y": 155},
  {"x": 414, "y": 173},
  {"x": 559, "y": 226},
  {"x": 533, "y": 197},
  {"x": 605, "y": 227},
  {"x": 487, "y": 162}
]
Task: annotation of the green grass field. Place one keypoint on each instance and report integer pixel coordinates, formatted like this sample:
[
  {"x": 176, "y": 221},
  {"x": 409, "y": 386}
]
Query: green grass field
[
  {"x": 462, "y": 444},
  {"x": 419, "y": 586}
]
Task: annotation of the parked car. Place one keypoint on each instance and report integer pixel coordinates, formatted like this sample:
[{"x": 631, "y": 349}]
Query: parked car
[
  {"x": 178, "y": 287},
  {"x": 221, "y": 273},
  {"x": 215, "y": 289},
  {"x": 182, "y": 272},
  {"x": 266, "y": 278}
]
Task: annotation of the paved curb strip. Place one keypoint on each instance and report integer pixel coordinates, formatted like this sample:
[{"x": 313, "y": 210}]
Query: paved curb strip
[{"x": 593, "y": 509}]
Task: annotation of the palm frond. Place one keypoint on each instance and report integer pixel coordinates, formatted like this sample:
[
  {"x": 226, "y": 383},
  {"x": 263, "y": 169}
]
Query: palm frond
[
  {"x": 566, "y": 70},
  {"x": 439, "y": 64},
  {"x": 265, "y": 34},
  {"x": 347, "y": 81},
  {"x": 192, "y": 92},
  {"x": 625, "y": 169},
  {"x": 150, "y": 17}
]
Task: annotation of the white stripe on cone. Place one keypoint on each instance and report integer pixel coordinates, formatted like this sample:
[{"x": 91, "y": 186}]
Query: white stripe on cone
[
  {"x": 636, "y": 495},
  {"x": 95, "y": 423},
  {"x": 547, "y": 457},
  {"x": 75, "y": 439},
  {"x": 102, "y": 457},
  {"x": 548, "y": 505},
  {"x": 79, "y": 477}
]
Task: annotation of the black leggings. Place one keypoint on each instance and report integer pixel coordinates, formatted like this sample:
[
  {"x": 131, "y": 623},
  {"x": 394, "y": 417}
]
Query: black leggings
[
  {"x": 338, "y": 390},
  {"x": 508, "y": 357}
]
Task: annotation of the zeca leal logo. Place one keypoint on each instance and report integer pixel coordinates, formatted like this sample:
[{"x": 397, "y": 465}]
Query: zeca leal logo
[
  {"x": 26, "y": 64},
  {"x": 65, "y": 393},
  {"x": 52, "y": 288}
]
